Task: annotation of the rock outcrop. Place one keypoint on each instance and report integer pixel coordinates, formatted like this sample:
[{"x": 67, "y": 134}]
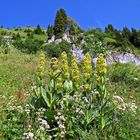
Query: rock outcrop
[
  {"x": 122, "y": 57},
  {"x": 112, "y": 57},
  {"x": 57, "y": 41}
]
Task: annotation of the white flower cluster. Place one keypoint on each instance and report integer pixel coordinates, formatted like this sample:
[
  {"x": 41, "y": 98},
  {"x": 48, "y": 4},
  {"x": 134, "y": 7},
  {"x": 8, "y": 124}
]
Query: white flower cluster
[
  {"x": 70, "y": 98},
  {"x": 28, "y": 136},
  {"x": 132, "y": 107},
  {"x": 40, "y": 111},
  {"x": 79, "y": 110},
  {"x": 121, "y": 105},
  {"x": 43, "y": 125},
  {"x": 27, "y": 110},
  {"x": 128, "y": 106},
  {"x": 118, "y": 99},
  {"x": 60, "y": 121},
  {"x": 95, "y": 91},
  {"x": 15, "y": 108},
  {"x": 85, "y": 100}
]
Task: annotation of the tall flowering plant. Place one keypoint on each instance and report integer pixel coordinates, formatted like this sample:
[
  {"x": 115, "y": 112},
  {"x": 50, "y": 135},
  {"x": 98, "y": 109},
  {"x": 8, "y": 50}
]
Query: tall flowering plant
[
  {"x": 41, "y": 66},
  {"x": 75, "y": 73},
  {"x": 67, "y": 83},
  {"x": 40, "y": 74},
  {"x": 64, "y": 66},
  {"x": 46, "y": 95},
  {"x": 102, "y": 97},
  {"x": 87, "y": 71}
]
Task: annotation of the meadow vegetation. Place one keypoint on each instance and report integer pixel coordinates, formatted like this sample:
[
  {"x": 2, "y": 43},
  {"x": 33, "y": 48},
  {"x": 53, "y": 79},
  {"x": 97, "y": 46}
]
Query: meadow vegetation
[{"x": 60, "y": 99}]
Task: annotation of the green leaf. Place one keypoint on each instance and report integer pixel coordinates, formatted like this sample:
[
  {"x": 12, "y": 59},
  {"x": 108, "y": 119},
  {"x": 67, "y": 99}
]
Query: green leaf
[
  {"x": 44, "y": 95},
  {"x": 49, "y": 115}
]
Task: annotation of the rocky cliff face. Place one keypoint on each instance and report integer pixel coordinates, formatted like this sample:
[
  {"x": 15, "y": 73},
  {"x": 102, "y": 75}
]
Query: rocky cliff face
[
  {"x": 122, "y": 57},
  {"x": 112, "y": 57}
]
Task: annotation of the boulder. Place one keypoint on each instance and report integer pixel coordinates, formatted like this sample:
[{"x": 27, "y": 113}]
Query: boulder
[
  {"x": 66, "y": 38},
  {"x": 57, "y": 41}
]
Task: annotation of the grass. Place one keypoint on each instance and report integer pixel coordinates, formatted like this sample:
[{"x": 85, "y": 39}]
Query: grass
[
  {"x": 16, "y": 71},
  {"x": 124, "y": 80}
]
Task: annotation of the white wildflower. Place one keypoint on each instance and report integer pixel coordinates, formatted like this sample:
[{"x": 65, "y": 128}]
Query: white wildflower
[
  {"x": 58, "y": 113},
  {"x": 61, "y": 126},
  {"x": 62, "y": 118},
  {"x": 31, "y": 135},
  {"x": 118, "y": 99},
  {"x": 56, "y": 118}
]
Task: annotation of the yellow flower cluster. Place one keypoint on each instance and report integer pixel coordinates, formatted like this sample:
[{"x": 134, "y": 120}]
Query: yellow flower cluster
[
  {"x": 55, "y": 71},
  {"x": 41, "y": 67},
  {"x": 87, "y": 67},
  {"x": 101, "y": 65},
  {"x": 54, "y": 66},
  {"x": 54, "y": 63},
  {"x": 64, "y": 65},
  {"x": 75, "y": 70},
  {"x": 59, "y": 83}
]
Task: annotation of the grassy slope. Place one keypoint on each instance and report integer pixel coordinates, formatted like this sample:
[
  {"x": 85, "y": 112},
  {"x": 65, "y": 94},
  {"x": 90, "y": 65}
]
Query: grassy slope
[
  {"x": 16, "y": 71},
  {"x": 24, "y": 34}
]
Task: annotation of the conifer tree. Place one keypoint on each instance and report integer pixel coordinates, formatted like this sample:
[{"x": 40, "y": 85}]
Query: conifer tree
[
  {"x": 38, "y": 30},
  {"x": 72, "y": 30},
  {"x": 60, "y": 24},
  {"x": 50, "y": 31},
  {"x": 64, "y": 15}
]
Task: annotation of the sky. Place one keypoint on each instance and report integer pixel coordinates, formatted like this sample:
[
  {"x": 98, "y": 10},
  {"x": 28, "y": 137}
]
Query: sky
[{"x": 87, "y": 13}]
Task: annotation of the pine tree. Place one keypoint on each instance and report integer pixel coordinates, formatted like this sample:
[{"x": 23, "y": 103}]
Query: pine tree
[
  {"x": 126, "y": 33},
  {"x": 109, "y": 28},
  {"x": 50, "y": 31},
  {"x": 38, "y": 30},
  {"x": 64, "y": 15},
  {"x": 60, "y": 24},
  {"x": 72, "y": 30}
]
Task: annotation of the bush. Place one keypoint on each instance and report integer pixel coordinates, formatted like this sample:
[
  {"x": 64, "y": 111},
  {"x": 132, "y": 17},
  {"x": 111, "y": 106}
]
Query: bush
[
  {"x": 28, "y": 30},
  {"x": 93, "y": 45},
  {"x": 29, "y": 45},
  {"x": 54, "y": 50}
]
